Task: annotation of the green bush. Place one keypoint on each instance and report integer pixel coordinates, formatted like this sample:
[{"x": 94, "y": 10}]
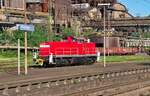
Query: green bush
[
  {"x": 40, "y": 34},
  {"x": 34, "y": 38},
  {"x": 66, "y": 31}
]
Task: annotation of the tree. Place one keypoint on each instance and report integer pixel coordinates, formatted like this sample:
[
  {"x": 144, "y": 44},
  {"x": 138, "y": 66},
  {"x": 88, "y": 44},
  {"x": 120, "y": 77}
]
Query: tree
[
  {"x": 34, "y": 38},
  {"x": 67, "y": 31}
]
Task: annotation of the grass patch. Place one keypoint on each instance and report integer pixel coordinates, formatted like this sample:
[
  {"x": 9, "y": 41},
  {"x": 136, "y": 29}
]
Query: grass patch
[
  {"x": 127, "y": 58},
  {"x": 3, "y": 58},
  {"x": 8, "y": 59},
  {"x": 6, "y": 55}
]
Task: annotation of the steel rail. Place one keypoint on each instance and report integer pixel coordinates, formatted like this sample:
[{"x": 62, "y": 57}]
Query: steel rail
[
  {"x": 67, "y": 80},
  {"x": 114, "y": 89}
]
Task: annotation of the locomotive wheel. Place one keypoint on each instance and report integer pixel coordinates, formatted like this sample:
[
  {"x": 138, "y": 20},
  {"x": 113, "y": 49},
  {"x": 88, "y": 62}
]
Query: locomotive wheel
[
  {"x": 61, "y": 62},
  {"x": 73, "y": 61},
  {"x": 45, "y": 64},
  {"x": 91, "y": 60},
  {"x": 94, "y": 59}
]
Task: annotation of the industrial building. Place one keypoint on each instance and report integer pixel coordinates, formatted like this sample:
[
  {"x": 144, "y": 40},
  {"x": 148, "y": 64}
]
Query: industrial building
[
  {"x": 62, "y": 10},
  {"x": 75, "y": 13}
]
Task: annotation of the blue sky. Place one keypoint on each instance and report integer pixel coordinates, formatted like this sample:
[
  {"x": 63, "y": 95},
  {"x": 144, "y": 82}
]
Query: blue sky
[{"x": 137, "y": 7}]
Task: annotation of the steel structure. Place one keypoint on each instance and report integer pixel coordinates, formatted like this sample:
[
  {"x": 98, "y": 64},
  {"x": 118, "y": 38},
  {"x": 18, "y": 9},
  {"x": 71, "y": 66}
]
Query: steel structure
[
  {"x": 64, "y": 11},
  {"x": 127, "y": 25}
]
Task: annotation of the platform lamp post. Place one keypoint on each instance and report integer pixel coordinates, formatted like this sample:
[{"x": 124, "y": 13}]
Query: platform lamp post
[{"x": 104, "y": 28}]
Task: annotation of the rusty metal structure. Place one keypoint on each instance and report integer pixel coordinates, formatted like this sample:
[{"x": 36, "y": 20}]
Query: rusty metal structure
[
  {"x": 126, "y": 25},
  {"x": 13, "y": 10},
  {"x": 63, "y": 10},
  {"x": 85, "y": 13},
  {"x": 82, "y": 15}
]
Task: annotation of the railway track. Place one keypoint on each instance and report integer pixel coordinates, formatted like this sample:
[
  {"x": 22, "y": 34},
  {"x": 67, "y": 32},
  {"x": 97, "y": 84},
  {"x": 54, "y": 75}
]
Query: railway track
[
  {"x": 77, "y": 84},
  {"x": 116, "y": 88}
]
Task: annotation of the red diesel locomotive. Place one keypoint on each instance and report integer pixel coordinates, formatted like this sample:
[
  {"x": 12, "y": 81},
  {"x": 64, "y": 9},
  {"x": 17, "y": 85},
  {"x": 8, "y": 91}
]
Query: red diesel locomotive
[{"x": 66, "y": 52}]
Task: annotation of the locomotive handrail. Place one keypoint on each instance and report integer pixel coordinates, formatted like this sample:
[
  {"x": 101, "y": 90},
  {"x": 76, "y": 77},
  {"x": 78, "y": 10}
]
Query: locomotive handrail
[
  {"x": 68, "y": 51},
  {"x": 90, "y": 50},
  {"x": 71, "y": 51}
]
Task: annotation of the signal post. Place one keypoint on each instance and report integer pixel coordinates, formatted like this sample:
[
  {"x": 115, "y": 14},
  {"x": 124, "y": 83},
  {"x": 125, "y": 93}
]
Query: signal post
[{"x": 25, "y": 39}]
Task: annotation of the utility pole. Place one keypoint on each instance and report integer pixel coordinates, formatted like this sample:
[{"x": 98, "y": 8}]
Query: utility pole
[
  {"x": 104, "y": 28},
  {"x": 25, "y": 39},
  {"x": 109, "y": 26},
  {"x": 104, "y": 36},
  {"x": 18, "y": 56},
  {"x": 49, "y": 20}
]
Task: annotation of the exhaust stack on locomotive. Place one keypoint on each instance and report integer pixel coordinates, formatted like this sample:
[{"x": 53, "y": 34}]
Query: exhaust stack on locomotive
[{"x": 67, "y": 52}]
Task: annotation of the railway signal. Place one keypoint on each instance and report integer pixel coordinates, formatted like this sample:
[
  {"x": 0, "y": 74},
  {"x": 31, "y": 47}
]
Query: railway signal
[
  {"x": 24, "y": 27},
  {"x": 27, "y": 28}
]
